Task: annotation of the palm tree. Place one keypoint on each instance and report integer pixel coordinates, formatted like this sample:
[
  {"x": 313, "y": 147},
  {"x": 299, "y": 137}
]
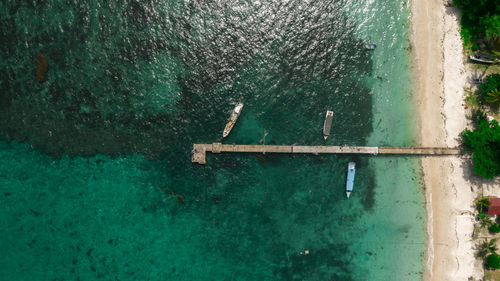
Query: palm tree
[
  {"x": 493, "y": 97},
  {"x": 482, "y": 203},
  {"x": 484, "y": 220},
  {"x": 487, "y": 247}
]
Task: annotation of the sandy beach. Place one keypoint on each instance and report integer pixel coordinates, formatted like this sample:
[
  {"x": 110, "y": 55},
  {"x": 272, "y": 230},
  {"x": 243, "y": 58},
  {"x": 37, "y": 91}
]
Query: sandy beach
[{"x": 440, "y": 78}]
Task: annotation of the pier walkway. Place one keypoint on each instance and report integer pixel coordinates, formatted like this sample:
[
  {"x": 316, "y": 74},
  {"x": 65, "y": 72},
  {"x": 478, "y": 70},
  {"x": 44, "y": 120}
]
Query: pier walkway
[{"x": 199, "y": 150}]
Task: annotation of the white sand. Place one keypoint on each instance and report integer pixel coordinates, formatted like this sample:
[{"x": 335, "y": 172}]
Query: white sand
[{"x": 440, "y": 80}]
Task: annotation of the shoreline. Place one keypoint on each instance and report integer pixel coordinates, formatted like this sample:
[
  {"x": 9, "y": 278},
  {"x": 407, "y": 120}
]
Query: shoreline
[{"x": 440, "y": 76}]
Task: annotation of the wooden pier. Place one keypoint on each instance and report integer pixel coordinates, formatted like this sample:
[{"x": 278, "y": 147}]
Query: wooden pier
[{"x": 200, "y": 150}]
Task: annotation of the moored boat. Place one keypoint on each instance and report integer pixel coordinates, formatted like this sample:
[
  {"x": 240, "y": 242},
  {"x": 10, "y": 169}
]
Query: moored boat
[
  {"x": 371, "y": 46},
  {"x": 232, "y": 119},
  {"x": 484, "y": 58},
  {"x": 351, "y": 170},
  {"x": 328, "y": 124}
]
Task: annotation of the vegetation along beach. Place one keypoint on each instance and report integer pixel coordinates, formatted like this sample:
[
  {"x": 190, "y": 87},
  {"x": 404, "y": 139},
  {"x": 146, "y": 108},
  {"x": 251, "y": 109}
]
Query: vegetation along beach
[{"x": 380, "y": 121}]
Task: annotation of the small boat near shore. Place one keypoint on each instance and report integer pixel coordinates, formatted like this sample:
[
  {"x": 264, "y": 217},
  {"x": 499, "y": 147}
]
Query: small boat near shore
[
  {"x": 232, "y": 119},
  {"x": 351, "y": 171},
  {"x": 371, "y": 47},
  {"x": 328, "y": 124},
  {"x": 483, "y": 58}
]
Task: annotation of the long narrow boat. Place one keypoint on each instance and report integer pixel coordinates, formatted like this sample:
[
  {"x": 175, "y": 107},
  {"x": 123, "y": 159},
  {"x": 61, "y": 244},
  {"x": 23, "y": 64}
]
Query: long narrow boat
[
  {"x": 328, "y": 124},
  {"x": 232, "y": 119},
  {"x": 370, "y": 47},
  {"x": 351, "y": 170},
  {"x": 484, "y": 58}
]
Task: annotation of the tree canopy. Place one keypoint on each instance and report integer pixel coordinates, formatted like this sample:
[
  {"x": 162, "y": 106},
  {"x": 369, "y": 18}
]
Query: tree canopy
[
  {"x": 493, "y": 261},
  {"x": 494, "y": 228},
  {"x": 481, "y": 18},
  {"x": 484, "y": 142},
  {"x": 482, "y": 204},
  {"x": 490, "y": 91}
]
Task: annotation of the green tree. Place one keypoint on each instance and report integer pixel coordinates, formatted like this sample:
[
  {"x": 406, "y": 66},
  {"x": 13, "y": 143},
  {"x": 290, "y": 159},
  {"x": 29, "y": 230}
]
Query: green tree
[
  {"x": 480, "y": 18},
  {"x": 495, "y": 228},
  {"x": 484, "y": 220},
  {"x": 484, "y": 142},
  {"x": 493, "y": 261},
  {"x": 482, "y": 203},
  {"x": 493, "y": 97},
  {"x": 490, "y": 91},
  {"x": 487, "y": 247}
]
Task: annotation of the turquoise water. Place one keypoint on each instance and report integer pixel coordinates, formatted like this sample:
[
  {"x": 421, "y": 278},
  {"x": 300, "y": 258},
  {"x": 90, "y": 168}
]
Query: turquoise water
[{"x": 96, "y": 180}]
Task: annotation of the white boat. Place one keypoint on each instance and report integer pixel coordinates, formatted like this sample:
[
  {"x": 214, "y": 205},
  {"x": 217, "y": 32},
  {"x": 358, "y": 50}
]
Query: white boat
[
  {"x": 484, "y": 58},
  {"x": 232, "y": 119},
  {"x": 370, "y": 47},
  {"x": 349, "y": 185},
  {"x": 328, "y": 124}
]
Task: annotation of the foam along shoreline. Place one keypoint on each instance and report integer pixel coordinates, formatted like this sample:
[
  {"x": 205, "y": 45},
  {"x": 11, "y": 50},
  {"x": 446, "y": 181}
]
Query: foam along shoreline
[{"x": 440, "y": 77}]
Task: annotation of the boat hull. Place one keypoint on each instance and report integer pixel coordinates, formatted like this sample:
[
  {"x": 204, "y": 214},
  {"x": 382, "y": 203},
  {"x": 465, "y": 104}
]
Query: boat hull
[
  {"x": 232, "y": 119},
  {"x": 371, "y": 47},
  {"x": 483, "y": 58},
  {"x": 472, "y": 58},
  {"x": 328, "y": 124},
  {"x": 351, "y": 171}
]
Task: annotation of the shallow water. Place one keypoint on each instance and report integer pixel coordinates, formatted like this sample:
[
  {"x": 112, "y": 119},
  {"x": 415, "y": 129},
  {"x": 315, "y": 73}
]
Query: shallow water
[{"x": 102, "y": 186}]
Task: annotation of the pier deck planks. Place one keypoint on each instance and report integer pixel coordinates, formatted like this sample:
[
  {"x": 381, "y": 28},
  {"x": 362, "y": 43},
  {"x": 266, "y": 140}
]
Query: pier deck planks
[{"x": 199, "y": 150}]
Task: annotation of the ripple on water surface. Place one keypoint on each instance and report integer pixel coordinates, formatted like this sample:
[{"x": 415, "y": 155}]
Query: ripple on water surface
[{"x": 145, "y": 80}]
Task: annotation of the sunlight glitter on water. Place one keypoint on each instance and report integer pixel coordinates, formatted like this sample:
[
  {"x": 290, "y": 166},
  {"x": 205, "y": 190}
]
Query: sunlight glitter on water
[{"x": 142, "y": 82}]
